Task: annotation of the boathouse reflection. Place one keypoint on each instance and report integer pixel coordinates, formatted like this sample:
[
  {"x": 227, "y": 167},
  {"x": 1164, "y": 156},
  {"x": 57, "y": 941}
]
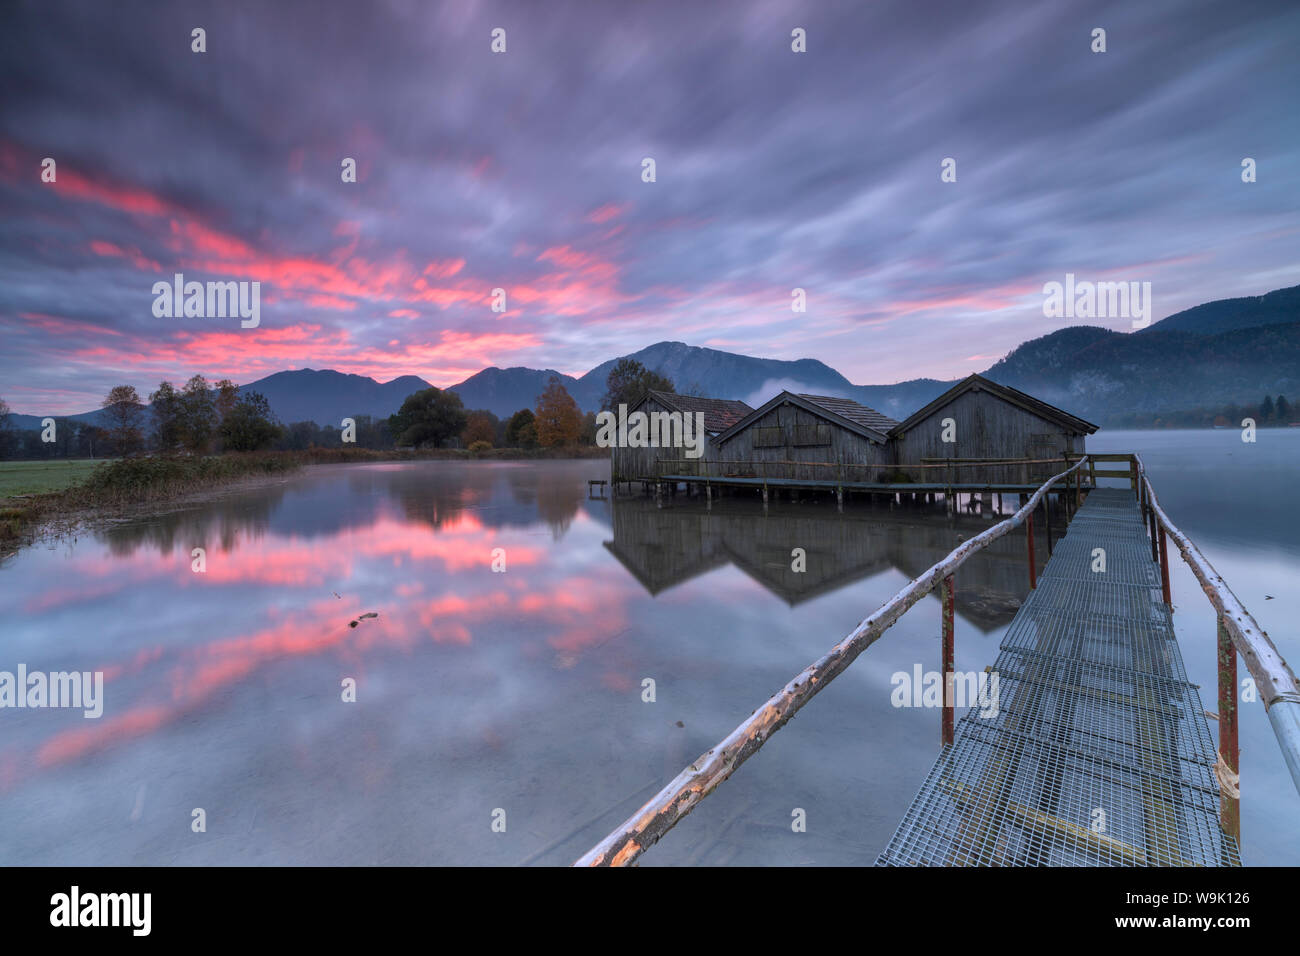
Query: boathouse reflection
[{"x": 663, "y": 547}]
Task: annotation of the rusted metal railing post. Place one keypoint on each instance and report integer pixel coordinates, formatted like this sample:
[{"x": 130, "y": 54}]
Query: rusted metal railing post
[
  {"x": 1274, "y": 680},
  {"x": 1164, "y": 568},
  {"x": 949, "y": 597},
  {"x": 1229, "y": 757},
  {"x": 1029, "y": 538}
]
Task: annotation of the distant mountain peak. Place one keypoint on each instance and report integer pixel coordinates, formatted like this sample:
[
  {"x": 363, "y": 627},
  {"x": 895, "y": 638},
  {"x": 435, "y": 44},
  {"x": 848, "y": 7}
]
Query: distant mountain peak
[{"x": 1229, "y": 350}]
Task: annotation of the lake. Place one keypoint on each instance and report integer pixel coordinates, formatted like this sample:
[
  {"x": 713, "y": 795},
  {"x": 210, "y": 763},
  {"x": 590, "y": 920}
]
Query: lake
[{"x": 500, "y": 712}]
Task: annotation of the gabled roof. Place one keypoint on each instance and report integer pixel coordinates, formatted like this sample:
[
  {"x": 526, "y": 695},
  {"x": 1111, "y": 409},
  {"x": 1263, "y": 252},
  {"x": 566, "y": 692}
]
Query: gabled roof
[
  {"x": 719, "y": 413},
  {"x": 844, "y": 412},
  {"x": 1016, "y": 397},
  {"x": 853, "y": 411}
]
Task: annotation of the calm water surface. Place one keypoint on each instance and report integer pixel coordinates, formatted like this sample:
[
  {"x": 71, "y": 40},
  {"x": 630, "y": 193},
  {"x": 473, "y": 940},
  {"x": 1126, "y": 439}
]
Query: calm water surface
[{"x": 521, "y": 691}]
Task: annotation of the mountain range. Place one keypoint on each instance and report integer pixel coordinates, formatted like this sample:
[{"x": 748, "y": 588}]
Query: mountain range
[{"x": 1230, "y": 350}]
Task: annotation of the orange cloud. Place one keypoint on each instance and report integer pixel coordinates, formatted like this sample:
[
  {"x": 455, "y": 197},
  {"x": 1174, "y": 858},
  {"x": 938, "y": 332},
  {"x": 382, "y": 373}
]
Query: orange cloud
[{"x": 603, "y": 214}]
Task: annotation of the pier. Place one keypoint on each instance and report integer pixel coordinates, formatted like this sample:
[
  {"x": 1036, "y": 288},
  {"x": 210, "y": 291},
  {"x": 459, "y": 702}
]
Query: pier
[{"x": 1099, "y": 751}]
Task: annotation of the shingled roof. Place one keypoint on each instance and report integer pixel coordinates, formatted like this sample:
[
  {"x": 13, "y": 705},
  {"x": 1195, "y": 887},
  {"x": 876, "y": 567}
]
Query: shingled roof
[
  {"x": 843, "y": 411},
  {"x": 853, "y": 411},
  {"x": 719, "y": 413},
  {"x": 1037, "y": 406}
]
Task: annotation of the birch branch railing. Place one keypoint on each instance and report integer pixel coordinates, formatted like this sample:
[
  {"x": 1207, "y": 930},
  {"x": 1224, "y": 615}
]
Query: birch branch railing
[
  {"x": 645, "y": 827},
  {"x": 1274, "y": 679}
]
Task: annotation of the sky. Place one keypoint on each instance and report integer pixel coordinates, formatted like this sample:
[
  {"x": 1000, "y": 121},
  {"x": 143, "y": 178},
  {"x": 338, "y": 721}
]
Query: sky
[{"x": 523, "y": 170}]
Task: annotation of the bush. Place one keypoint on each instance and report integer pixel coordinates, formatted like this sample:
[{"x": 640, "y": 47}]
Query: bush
[
  {"x": 479, "y": 447},
  {"x": 134, "y": 479}
]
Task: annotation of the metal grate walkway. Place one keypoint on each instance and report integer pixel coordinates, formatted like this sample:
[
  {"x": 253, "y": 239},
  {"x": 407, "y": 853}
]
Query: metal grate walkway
[{"x": 1097, "y": 751}]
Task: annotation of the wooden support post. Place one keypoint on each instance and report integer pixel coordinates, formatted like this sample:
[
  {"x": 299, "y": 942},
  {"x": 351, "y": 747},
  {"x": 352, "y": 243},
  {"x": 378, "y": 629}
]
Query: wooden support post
[
  {"x": 1029, "y": 539},
  {"x": 1164, "y": 568},
  {"x": 839, "y": 500},
  {"x": 948, "y": 597},
  {"x": 1229, "y": 789}
]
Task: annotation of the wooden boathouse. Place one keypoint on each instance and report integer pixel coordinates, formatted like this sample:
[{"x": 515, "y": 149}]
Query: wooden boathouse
[
  {"x": 635, "y": 464},
  {"x": 979, "y": 437},
  {"x": 978, "y": 422},
  {"x": 794, "y": 436}
]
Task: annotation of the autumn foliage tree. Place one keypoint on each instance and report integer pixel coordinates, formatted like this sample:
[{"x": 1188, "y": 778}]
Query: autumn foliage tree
[
  {"x": 557, "y": 418},
  {"x": 479, "y": 426}
]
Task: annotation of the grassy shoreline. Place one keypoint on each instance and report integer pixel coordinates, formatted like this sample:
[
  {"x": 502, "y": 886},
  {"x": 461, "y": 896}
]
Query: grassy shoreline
[{"x": 114, "y": 486}]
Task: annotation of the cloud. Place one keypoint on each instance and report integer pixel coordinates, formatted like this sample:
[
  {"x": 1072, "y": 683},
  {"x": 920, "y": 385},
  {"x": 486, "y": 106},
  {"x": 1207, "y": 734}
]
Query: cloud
[
  {"x": 775, "y": 386},
  {"x": 522, "y": 171}
]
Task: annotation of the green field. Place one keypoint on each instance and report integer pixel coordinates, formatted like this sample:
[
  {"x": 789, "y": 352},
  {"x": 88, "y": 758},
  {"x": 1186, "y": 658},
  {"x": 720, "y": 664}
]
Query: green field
[{"x": 38, "y": 477}]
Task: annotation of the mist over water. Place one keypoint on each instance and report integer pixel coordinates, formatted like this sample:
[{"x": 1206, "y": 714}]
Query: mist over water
[{"x": 521, "y": 690}]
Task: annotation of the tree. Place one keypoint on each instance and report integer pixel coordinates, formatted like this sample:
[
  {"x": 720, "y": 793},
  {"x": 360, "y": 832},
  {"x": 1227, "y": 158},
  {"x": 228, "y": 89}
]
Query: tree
[
  {"x": 558, "y": 419},
  {"x": 198, "y": 415},
  {"x": 1266, "y": 410},
  {"x": 125, "y": 413},
  {"x": 226, "y": 397},
  {"x": 1283, "y": 410},
  {"x": 431, "y": 415},
  {"x": 250, "y": 425},
  {"x": 521, "y": 430},
  {"x": 92, "y": 436},
  {"x": 481, "y": 426},
  {"x": 589, "y": 429},
  {"x": 628, "y": 381},
  {"x": 166, "y": 402},
  {"x": 7, "y": 435}
]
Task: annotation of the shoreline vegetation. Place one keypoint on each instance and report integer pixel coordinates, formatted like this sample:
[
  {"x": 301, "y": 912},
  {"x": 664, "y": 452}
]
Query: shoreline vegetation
[
  {"x": 116, "y": 487},
  {"x": 166, "y": 449}
]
